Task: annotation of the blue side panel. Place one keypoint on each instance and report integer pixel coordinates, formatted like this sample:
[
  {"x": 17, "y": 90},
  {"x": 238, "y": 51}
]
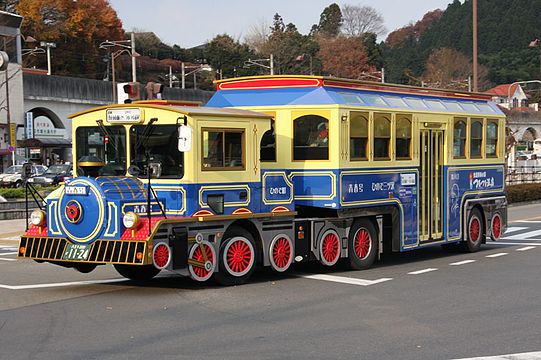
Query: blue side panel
[{"x": 465, "y": 183}]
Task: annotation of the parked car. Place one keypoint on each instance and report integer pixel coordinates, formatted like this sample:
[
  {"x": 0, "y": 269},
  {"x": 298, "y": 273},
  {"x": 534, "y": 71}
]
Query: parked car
[
  {"x": 12, "y": 177},
  {"x": 54, "y": 175}
]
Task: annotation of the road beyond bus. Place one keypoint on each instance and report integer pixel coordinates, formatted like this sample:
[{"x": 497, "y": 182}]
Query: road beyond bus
[{"x": 427, "y": 305}]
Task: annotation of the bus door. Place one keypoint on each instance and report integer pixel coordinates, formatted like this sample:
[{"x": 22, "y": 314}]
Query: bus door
[{"x": 430, "y": 186}]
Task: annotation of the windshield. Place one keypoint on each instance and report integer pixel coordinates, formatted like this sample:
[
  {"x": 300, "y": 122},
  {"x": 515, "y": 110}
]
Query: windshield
[
  {"x": 57, "y": 169},
  {"x": 15, "y": 169},
  {"x": 161, "y": 142},
  {"x": 101, "y": 151}
]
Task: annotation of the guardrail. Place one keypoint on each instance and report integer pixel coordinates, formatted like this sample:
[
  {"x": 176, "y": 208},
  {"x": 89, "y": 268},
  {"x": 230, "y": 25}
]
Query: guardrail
[{"x": 523, "y": 175}]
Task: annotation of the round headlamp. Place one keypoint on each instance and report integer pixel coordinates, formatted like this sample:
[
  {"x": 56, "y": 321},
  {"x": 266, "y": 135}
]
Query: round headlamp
[
  {"x": 130, "y": 219},
  {"x": 37, "y": 217}
]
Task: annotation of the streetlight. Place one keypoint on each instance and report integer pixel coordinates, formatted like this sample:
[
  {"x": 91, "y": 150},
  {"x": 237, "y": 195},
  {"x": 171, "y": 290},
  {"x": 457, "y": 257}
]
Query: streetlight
[
  {"x": 130, "y": 49},
  {"x": 259, "y": 62},
  {"x": 48, "y": 45},
  {"x": 198, "y": 69},
  {"x": 517, "y": 83}
]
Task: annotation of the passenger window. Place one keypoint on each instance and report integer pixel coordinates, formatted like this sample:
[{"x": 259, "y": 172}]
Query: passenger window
[
  {"x": 382, "y": 136},
  {"x": 476, "y": 138},
  {"x": 358, "y": 136},
  {"x": 311, "y": 138},
  {"x": 268, "y": 145},
  {"x": 223, "y": 149},
  {"x": 491, "y": 147},
  {"x": 403, "y": 137},
  {"x": 459, "y": 138}
]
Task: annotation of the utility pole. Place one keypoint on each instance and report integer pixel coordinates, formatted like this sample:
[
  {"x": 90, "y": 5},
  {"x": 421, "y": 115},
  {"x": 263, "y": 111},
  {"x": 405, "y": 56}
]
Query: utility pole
[
  {"x": 48, "y": 45},
  {"x": 475, "y": 80},
  {"x": 272, "y": 64},
  {"x": 133, "y": 72},
  {"x": 170, "y": 76},
  {"x": 183, "y": 76}
]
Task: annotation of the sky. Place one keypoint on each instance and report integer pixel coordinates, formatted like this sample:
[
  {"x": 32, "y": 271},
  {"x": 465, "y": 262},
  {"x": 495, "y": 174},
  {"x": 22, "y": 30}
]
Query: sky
[{"x": 189, "y": 23}]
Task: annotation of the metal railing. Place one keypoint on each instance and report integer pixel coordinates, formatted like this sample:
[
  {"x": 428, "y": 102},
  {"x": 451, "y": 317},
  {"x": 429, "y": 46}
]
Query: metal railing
[{"x": 523, "y": 175}]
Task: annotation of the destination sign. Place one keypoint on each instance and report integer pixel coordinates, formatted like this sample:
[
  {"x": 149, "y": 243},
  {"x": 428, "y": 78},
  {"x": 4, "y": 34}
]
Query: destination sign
[
  {"x": 76, "y": 190},
  {"x": 124, "y": 115}
]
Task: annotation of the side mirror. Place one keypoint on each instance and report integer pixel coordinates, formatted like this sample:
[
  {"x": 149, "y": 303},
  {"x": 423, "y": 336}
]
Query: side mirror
[
  {"x": 27, "y": 171},
  {"x": 184, "y": 138}
]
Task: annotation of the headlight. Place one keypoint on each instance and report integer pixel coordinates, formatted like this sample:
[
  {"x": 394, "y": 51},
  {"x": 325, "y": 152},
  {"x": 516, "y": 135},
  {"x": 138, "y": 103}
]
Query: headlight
[
  {"x": 130, "y": 219},
  {"x": 37, "y": 217}
]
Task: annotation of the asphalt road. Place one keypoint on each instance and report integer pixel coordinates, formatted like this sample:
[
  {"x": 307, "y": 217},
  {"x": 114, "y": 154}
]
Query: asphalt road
[{"x": 428, "y": 304}]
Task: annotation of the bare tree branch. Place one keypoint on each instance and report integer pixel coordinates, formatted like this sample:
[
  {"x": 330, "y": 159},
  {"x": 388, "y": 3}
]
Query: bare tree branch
[{"x": 358, "y": 20}]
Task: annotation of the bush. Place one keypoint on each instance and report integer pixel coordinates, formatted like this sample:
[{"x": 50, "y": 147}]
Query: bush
[
  {"x": 523, "y": 192},
  {"x": 19, "y": 193}
]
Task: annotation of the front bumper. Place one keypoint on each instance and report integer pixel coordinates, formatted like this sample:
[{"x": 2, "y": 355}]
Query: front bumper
[{"x": 46, "y": 248}]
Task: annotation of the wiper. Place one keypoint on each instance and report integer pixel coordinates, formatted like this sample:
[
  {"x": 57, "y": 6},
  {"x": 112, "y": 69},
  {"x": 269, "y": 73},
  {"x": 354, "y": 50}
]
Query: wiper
[
  {"x": 145, "y": 136},
  {"x": 105, "y": 132}
]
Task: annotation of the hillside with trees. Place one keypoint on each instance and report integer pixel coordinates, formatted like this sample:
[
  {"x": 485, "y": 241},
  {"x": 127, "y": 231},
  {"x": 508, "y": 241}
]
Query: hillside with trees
[{"x": 436, "y": 50}]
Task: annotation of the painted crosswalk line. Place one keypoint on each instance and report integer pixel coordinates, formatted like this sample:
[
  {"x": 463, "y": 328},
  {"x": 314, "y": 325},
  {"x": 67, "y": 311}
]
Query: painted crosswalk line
[
  {"x": 343, "y": 279},
  {"x": 514, "y": 229},
  {"x": 536, "y": 355},
  {"x": 523, "y": 236}
]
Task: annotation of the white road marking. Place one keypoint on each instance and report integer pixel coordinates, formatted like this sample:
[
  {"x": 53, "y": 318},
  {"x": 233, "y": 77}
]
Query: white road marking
[
  {"x": 496, "y": 255},
  {"x": 5, "y": 259},
  {"x": 528, "y": 221},
  {"x": 526, "y": 248},
  {"x": 9, "y": 253},
  {"x": 8, "y": 248},
  {"x": 513, "y": 243},
  {"x": 343, "y": 279},
  {"x": 514, "y": 228},
  {"x": 523, "y": 356},
  {"x": 424, "y": 271},
  {"x": 523, "y": 236},
  {"x": 62, "y": 284},
  {"x": 463, "y": 262}
]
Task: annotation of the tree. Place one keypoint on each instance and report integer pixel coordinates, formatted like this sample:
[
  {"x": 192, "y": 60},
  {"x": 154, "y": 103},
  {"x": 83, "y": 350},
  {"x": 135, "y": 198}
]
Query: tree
[
  {"x": 225, "y": 54},
  {"x": 76, "y": 28},
  {"x": 258, "y": 35},
  {"x": 9, "y": 5},
  {"x": 330, "y": 21},
  {"x": 358, "y": 20},
  {"x": 450, "y": 69},
  {"x": 344, "y": 57}
]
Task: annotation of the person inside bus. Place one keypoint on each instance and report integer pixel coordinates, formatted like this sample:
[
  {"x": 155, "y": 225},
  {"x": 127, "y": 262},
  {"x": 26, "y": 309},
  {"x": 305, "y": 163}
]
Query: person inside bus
[{"x": 321, "y": 136}]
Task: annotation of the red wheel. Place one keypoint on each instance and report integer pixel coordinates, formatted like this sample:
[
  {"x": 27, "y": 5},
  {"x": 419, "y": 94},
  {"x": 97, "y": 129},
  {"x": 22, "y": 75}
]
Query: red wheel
[
  {"x": 281, "y": 253},
  {"x": 475, "y": 231},
  {"x": 238, "y": 256},
  {"x": 161, "y": 255},
  {"x": 362, "y": 243},
  {"x": 496, "y": 226},
  {"x": 202, "y": 253},
  {"x": 329, "y": 248}
]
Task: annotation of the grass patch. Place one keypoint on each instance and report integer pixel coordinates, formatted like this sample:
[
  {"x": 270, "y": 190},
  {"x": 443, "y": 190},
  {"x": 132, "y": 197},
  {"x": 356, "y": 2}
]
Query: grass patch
[{"x": 19, "y": 193}]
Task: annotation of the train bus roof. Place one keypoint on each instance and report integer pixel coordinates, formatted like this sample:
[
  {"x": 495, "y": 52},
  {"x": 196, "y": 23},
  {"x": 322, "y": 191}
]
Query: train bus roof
[
  {"x": 184, "y": 110},
  {"x": 288, "y": 90}
]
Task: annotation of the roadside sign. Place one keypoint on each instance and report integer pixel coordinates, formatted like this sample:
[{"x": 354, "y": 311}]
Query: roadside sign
[
  {"x": 12, "y": 136},
  {"x": 29, "y": 122}
]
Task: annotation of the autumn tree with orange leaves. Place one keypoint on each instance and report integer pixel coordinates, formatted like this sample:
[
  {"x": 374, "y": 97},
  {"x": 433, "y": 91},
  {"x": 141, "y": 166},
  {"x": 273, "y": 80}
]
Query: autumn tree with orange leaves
[
  {"x": 344, "y": 57},
  {"x": 77, "y": 28}
]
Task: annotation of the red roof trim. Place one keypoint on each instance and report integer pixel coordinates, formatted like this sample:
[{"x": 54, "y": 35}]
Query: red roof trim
[{"x": 269, "y": 84}]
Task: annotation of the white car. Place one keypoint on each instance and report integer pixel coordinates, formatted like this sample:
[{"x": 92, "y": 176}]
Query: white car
[{"x": 12, "y": 177}]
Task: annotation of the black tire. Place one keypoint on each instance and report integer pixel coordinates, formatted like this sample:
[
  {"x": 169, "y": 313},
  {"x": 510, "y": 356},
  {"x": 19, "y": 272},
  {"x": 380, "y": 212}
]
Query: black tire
[
  {"x": 362, "y": 244},
  {"x": 85, "y": 268},
  {"x": 475, "y": 232},
  {"x": 225, "y": 275},
  {"x": 137, "y": 272},
  {"x": 18, "y": 184}
]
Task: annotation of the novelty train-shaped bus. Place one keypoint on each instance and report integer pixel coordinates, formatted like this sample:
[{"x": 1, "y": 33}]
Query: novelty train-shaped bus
[{"x": 275, "y": 170}]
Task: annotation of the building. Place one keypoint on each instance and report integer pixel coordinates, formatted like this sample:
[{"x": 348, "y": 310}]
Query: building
[{"x": 509, "y": 96}]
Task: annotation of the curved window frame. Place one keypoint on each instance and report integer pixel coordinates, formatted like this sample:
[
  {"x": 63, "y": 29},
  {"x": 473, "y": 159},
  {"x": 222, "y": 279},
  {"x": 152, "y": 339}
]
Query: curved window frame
[
  {"x": 382, "y": 138},
  {"x": 355, "y": 115},
  {"x": 476, "y": 143},
  {"x": 315, "y": 142},
  {"x": 462, "y": 140},
  {"x": 407, "y": 140},
  {"x": 271, "y": 133}
]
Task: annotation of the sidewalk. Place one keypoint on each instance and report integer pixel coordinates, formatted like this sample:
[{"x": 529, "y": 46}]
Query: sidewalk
[{"x": 11, "y": 231}]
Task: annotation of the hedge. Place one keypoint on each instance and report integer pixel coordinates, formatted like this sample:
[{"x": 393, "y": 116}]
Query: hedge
[
  {"x": 523, "y": 192},
  {"x": 19, "y": 193}
]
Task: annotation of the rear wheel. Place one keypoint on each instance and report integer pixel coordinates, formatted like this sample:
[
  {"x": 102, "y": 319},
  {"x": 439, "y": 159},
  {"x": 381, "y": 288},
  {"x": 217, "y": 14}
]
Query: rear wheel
[
  {"x": 137, "y": 272},
  {"x": 237, "y": 258},
  {"x": 475, "y": 232},
  {"x": 362, "y": 244},
  {"x": 85, "y": 268}
]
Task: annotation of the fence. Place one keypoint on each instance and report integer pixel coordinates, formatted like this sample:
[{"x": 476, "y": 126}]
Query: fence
[{"x": 523, "y": 174}]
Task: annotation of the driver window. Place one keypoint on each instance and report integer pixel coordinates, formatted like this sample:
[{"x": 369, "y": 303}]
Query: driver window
[{"x": 223, "y": 149}]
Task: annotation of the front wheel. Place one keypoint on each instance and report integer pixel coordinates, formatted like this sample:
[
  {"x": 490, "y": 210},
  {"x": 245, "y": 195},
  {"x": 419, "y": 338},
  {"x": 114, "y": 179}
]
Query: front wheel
[
  {"x": 362, "y": 244},
  {"x": 137, "y": 272},
  {"x": 475, "y": 232}
]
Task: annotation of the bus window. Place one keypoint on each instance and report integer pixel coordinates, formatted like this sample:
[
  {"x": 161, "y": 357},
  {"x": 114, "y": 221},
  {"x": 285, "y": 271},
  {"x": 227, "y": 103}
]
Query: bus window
[
  {"x": 100, "y": 151},
  {"x": 491, "y": 147},
  {"x": 358, "y": 136},
  {"x": 476, "y": 137},
  {"x": 382, "y": 136},
  {"x": 268, "y": 145},
  {"x": 459, "y": 138},
  {"x": 311, "y": 138},
  {"x": 403, "y": 137},
  {"x": 223, "y": 150}
]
